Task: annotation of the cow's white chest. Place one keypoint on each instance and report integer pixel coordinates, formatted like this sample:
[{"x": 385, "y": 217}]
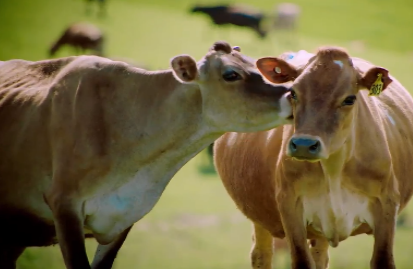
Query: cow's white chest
[
  {"x": 336, "y": 213},
  {"x": 111, "y": 213}
]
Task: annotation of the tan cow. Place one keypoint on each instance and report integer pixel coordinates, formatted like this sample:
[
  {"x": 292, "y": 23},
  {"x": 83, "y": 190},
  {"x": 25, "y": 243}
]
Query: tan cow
[
  {"x": 343, "y": 168},
  {"x": 88, "y": 145}
]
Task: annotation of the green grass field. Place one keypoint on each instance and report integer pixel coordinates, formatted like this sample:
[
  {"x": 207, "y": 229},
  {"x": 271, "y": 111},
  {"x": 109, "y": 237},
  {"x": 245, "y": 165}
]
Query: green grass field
[{"x": 195, "y": 225}]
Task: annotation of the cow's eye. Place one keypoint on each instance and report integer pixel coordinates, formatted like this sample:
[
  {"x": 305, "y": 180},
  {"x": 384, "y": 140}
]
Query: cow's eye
[
  {"x": 349, "y": 101},
  {"x": 231, "y": 76},
  {"x": 293, "y": 95}
]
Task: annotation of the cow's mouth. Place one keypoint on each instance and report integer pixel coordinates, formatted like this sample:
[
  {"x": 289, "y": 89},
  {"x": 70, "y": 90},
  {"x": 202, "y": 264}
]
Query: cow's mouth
[{"x": 305, "y": 159}]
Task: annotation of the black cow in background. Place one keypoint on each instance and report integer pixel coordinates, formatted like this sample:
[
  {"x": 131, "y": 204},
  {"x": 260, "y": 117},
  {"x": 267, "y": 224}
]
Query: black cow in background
[{"x": 239, "y": 15}]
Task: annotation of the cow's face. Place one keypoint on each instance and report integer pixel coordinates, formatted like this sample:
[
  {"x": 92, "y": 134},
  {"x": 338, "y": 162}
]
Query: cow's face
[
  {"x": 324, "y": 100},
  {"x": 235, "y": 95}
]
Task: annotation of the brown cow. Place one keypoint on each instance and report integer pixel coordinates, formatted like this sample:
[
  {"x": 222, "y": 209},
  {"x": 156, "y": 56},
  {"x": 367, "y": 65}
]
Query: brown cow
[
  {"x": 82, "y": 36},
  {"x": 88, "y": 145},
  {"x": 343, "y": 168}
]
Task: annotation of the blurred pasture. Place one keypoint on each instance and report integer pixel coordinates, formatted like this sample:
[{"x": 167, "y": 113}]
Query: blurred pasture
[{"x": 195, "y": 224}]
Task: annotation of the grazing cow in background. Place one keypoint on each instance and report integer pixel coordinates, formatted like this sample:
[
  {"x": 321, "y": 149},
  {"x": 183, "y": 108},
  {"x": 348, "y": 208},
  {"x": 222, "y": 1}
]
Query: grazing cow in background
[
  {"x": 82, "y": 36},
  {"x": 343, "y": 168},
  {"x": 239, "y": 15},
  {"x": 88, "y": 145},
  {"x": 287, "y": 15}
]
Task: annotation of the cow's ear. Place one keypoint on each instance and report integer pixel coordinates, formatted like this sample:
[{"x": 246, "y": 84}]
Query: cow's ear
[
  {"x": 276, "y": 70},
  {"x": 376, "y": 80},
  {"x": 184, "y": 68}
]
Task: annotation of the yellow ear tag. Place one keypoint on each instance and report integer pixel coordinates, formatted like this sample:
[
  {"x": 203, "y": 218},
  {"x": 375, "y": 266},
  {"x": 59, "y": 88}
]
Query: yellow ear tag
[{"x": 377, "y": 86}]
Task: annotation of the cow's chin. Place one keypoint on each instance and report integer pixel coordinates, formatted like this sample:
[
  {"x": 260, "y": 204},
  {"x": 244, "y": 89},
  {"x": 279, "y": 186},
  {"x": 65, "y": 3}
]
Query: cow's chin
[{"x": 305, "y": 159}]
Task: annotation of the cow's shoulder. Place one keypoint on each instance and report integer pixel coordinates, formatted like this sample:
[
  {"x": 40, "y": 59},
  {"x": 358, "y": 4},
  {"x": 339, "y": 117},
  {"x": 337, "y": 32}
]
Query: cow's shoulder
[
  {"x": 86, "y": 67},
  {"x": 17, "y": 68},
  {"x": 94, "y": 69}
]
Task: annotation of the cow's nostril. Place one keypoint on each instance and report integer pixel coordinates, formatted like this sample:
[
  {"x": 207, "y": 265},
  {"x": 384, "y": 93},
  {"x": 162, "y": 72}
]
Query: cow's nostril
[
  {"x": 314, "y": 148},
  {"x": 293, "y": 146}
]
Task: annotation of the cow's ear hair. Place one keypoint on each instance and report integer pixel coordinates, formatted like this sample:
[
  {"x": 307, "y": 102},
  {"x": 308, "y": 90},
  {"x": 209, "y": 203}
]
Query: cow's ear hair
[
  {"x": 184, "y": 68},
  {"x": 376, "y": 79},
  {"x": 276, "y": 70}
]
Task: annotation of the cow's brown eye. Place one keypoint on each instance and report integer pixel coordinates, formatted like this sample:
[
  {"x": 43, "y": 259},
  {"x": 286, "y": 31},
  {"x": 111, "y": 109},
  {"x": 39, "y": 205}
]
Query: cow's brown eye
[
  {"x": 293, "y": 95},
  {"x": 231, "y": 76},
  {"x": 349, "y": 101}
]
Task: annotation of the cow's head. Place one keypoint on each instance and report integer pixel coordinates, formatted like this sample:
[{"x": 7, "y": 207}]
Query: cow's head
[
  {"x": 234, "y": 94},
  {"x": 324, "y": 99}
]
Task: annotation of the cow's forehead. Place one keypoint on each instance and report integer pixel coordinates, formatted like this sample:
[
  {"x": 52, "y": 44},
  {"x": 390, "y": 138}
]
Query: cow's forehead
[
  {"x": 327, "y": 72},
  {"x": 237, "y": 60},
  {"x": 216, "y": 60}
]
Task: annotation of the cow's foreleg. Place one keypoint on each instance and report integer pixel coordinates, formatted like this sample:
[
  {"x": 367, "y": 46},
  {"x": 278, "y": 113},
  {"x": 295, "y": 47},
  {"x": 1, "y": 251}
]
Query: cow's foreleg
[
  {"x": 68, "y": 221},
  {"x": 319, "y": 252},
  {"x": 9, "y": 256},
  {"x": 384, "y": 213},
  {"x": 291, "y": 212},
  {"x": 105, "y": 254},
  {"x": 261, "y": 252}
]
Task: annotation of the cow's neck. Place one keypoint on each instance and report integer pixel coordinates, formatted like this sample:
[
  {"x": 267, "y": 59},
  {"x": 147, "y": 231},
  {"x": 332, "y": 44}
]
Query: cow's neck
[
  {"x": 169, "y": 130},
  {"x": 165, "y": 123},
  {"x": 340, "y": 206},
  {"x": 334, "y": 165},
  {"x": 178, "y": 116}
]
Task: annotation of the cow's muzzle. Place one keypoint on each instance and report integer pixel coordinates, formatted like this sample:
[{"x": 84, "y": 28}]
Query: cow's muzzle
[{"x": 305, "y": 148}]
